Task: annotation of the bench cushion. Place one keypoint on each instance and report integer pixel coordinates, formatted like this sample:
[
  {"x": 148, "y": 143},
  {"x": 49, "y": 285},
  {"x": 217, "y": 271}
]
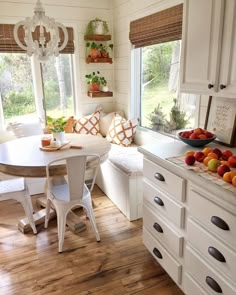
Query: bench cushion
[{"x": 127, "y": 159}]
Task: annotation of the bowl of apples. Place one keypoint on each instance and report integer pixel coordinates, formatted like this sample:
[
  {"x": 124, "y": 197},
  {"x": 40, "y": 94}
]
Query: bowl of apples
[{"x": 196, "y": 137}]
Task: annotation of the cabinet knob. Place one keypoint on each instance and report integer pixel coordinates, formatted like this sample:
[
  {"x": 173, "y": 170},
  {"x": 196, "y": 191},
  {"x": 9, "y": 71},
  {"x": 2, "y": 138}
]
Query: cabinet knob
[
  {"x": 159, "y": 176},
  {"x": 158, "y": 227},
  {"x": 157, "y": 253},
  {"x": 216, "y": 254},
  {"x": 213, "y": 284},
  {"x": 158, "y": 201},
  {"x": 217, "y": 221},
  {"x": 222, "y": 86},
  {"x": 210, "y": 86}
]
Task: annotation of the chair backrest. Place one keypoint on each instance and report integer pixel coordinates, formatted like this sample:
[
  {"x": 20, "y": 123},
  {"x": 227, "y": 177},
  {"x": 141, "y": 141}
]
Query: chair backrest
[{"x": 75, "y": 169}]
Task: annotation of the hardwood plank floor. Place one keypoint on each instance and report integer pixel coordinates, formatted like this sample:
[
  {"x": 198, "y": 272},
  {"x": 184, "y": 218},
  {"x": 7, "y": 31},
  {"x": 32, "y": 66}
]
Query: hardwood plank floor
[{"x": 119, "y": 264}]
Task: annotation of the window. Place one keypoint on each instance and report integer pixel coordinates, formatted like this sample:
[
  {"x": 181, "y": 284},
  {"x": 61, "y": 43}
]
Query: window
[
  {"x": 30, "y": 90},
  {"x": 157, "y": 42},
  {"x": 162, "y": 107}
]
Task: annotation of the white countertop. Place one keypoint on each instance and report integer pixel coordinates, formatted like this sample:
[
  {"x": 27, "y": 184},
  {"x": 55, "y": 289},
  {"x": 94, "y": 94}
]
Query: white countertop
[{"x": 158, "y": 153}]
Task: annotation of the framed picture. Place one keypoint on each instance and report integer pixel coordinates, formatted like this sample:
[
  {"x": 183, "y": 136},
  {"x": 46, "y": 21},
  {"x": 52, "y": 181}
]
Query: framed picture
[{"x": 221, "y": 119}]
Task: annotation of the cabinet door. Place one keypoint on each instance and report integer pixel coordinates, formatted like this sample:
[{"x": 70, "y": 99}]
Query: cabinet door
[
  {"x": 201, "y": 46},
  {"x": 228, "y": 59}
]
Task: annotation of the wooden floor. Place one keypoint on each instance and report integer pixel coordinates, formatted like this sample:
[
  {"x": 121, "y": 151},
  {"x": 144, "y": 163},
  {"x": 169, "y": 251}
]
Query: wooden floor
[{"x": 119, "y": 264}]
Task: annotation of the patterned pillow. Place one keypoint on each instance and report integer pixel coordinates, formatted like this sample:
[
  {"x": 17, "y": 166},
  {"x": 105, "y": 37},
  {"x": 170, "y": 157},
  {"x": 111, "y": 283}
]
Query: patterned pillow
[
  {"x": 122, "y": 131},
  {"x": 88, "y": 124}
]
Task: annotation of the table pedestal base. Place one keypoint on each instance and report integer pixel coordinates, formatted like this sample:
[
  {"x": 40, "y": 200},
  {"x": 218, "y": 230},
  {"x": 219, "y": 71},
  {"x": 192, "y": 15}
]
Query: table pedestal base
[{"x": 73, "y": 221}]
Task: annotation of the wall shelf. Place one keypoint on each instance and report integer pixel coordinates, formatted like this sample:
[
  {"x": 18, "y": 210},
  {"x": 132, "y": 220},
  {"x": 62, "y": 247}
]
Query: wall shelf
[
  {"x": 99, "y": 59},
  {"x": 100, "y": 94}
]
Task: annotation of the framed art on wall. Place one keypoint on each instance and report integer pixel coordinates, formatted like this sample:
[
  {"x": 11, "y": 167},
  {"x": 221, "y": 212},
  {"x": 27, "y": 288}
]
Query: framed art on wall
[{"x": 221, "y": 119}]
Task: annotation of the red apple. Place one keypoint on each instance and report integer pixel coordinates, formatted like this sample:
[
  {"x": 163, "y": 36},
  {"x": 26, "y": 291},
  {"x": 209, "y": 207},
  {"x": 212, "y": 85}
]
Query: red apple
[
  {"x": 209, "y": 134},
  {"x": 193, "y": 136},
  {"x": 232, "y": 161},
  {"x": 222, "y": 169},
  {"x": 190, "y": 160},
  {"x": 226, "y": 154},
  {"x": 218, "y": 152},
  {"x": 199, "y": 156}
]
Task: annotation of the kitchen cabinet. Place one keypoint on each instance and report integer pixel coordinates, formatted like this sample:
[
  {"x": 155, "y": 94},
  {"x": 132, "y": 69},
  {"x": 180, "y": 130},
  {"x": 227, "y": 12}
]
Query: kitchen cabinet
[
  {"x": 189, "y": 222},
  {"x": 208, "y": 57}
]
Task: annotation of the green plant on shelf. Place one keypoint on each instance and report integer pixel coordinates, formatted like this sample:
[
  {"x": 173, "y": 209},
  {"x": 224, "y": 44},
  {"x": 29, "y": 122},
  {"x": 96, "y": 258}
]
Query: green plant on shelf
[
  {"x": 95, "y": 77},
  {"x": 97, "y": 26}
]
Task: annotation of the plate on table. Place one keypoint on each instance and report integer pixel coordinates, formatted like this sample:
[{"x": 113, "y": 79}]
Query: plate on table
[{"x": 50, "y": 148}]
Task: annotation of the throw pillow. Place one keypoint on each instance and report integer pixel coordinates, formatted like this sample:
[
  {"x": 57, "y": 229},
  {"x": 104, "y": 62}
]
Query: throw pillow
[
  {"x": 105, "y": 121},
  {"x": 88, "y": 124},
  {"x": 121, "y": 131}
]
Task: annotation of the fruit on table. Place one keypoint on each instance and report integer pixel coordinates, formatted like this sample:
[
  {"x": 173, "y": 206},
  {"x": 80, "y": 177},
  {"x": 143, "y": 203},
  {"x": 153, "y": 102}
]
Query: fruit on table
[
  {"x": 206, "y": 160},
  {"x": 225, "y": 163},
  {"x": 199, "y": 156},
  {"x": 213, "y": 165},
  {"x": 228, "y": 176},
  {"x": 190, "y": 160},
  {"x": 232, "y": 161},
  {"x": 218, "y": 152},
  {"x": 226, "y": 154},
  {"x": 207, "y": 150},
  {"x": 188, "y": 153},
  {"x": 234, "y": 181},
  {"x": 222, "y": 169},
  {"x": 213, "y": 155}
]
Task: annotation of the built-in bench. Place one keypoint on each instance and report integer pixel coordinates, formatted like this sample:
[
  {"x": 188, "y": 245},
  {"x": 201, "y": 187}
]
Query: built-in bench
[{"x": 120, "y": 178}]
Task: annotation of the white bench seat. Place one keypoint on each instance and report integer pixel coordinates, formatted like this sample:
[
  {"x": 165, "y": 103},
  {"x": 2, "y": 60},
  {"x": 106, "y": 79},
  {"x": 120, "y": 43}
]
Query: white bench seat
[{"x": 120, "y": 178}]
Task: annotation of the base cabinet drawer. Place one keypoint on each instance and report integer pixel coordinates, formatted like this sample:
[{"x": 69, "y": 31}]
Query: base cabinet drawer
[
  {"x": 215, "y": 251},
  {"x": 205, "y": 275},
  {"x": 165, "y": 180},
  {"x": 162, "y": 231},
  {"x": 191, "y": 287},
  {"x": 164, "y": 204},
  {"x": 216, "y": 219},
  {"x": 162, "y": 256}
]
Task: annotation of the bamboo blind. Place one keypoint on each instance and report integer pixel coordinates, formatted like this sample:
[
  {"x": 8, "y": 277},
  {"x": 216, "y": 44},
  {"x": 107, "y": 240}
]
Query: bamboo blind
[
  {"x": 9, "y": 45},
  {"x": 163, "y": 26}
]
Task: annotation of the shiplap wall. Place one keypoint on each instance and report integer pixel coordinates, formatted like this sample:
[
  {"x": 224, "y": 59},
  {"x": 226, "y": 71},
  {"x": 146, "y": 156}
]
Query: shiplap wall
[{"x": 76, "y": 13}]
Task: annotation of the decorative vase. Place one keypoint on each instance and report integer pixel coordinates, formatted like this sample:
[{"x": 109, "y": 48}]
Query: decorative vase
[
  {"x": 94, "y": 87},
  {"x": 59, "y": 136},
  {"x": 105, "y": 88}
]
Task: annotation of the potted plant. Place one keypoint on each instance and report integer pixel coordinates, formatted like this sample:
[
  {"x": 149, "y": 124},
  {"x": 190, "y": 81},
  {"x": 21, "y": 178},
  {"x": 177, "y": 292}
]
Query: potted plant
[
  {"x": 97, "y": 27},
  {"x": 94, "y": 80},
  {"x": 56, "y": 126}
]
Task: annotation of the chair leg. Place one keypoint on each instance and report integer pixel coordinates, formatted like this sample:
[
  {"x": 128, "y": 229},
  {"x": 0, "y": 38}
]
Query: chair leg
[
  {"x": 61, "y": 224},
  {"x": 93, "y": 223},
  {"x": 48, "y": 206},
  {"x": 28, "y": 212}
]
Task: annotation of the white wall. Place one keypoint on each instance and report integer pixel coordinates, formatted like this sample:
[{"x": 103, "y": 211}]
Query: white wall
[{"x": 76, "y": 13}]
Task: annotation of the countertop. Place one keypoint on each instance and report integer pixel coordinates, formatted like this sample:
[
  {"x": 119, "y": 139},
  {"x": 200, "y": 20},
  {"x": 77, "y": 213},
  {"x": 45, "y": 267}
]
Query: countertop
[{"x": 158, "y": 153}]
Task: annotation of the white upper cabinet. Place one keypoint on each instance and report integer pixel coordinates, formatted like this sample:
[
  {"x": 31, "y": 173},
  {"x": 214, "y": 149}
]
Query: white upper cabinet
[{"x": 208, "y": 58}]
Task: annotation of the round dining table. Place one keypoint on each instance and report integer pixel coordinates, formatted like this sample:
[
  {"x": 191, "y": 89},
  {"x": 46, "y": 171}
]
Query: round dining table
[{"x": 24, "y": 156}]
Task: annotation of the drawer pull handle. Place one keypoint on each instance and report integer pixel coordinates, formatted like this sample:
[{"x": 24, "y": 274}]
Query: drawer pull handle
[
  {"x": 158, "y": 201},
  {"x": 157, "y": 253},
  {"x": 213, "y": 284},
  {"x": 158, "y": 227},
  {"x": 159, "y": 176},
  {"x": 216, "y": 254},
  {"x": 210, "y": 86},
  {"x": 219, "y": 222}
]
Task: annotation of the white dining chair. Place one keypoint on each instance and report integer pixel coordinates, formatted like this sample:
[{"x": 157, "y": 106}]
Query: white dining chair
[
  {"x": 17, "y": 189},
  {"x": 71, "y": 192}
]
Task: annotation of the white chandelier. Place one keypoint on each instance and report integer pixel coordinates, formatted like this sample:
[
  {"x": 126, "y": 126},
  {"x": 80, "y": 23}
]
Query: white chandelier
[{"x": 40, "y": 48}]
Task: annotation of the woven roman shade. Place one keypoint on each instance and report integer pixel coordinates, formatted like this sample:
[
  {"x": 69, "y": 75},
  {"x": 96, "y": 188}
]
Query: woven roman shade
[
  {"x": 9, "y": 45},
  {"x": 160, "y": 27}
]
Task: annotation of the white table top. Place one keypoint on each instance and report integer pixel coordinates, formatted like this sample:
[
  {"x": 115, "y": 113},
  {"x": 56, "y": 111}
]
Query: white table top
[{"x": 23, "y": 157}]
